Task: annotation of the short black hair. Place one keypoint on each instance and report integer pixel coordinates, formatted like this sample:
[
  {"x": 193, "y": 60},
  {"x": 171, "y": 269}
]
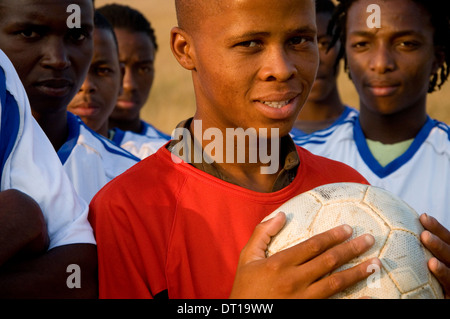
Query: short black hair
[
  {"x": 439, "y": 13},
  {"x": 100, "y": 22},
  {"x": 123, "y": 16}
]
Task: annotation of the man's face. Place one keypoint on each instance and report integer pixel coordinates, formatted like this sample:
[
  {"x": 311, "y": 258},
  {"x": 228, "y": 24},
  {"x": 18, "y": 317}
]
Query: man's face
[
  {"x": 390, "y": 66},
  {"x": 137, "y": 54},
  {"x": 326, "y": 74},
  {"x": 254, "y": 63},
  {"x": 98, "y": 94},
  {"x": 50, "y": 58}
]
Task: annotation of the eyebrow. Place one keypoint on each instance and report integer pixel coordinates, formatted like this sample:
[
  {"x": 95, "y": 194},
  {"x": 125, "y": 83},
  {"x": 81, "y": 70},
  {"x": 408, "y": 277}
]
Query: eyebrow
[
  {"x": 262, "y": 34},
  {"x": 396, "y": 34}
]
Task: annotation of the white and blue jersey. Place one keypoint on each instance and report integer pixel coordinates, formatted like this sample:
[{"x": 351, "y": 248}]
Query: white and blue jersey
[
  {"x": 28, "y": 163},
  {"x": 140, "y": 145},
  {"x": 90, "y": 159},
  {"x": 349, "y": 112},
  {"x": 152, "y": 132},
  {"x": 420, "y": 176}
]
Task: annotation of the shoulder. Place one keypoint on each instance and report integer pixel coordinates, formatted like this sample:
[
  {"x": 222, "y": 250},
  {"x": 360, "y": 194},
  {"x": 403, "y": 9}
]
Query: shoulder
[
  {"x": 100, "y": 143},
  {"x": 150, "y": 188},
  {"x": 139, "y": 145},
  {"x": 151, "y": 131},
  {"x": 439, "y": 138},
  {"x": 155, "y": 174},
  {"x": 327, "y": 169},
  {"x": 341, "y": 129}
]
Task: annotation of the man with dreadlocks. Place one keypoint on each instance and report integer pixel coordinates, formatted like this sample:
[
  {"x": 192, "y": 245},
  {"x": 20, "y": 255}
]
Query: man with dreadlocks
[{"x": 393, "y": 142}]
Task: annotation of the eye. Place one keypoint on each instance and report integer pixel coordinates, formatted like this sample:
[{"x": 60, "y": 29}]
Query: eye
[
  {"x": 104, "y": 71},
  {"x": 409, "y": 45},
  {"x": 360, "y": 45},
  {"x": 249, "y": 44},
  {"x": 145, "y": 69},
  {"x": 29, "y": 34},
  {"x": 323, "y": 44},
  {"x": 78, "y": 34},
  {"x": 297, "y": 40}
]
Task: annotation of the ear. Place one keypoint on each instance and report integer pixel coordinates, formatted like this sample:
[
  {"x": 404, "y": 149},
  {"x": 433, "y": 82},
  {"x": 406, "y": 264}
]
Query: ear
[{"x": 180, "y": 43}]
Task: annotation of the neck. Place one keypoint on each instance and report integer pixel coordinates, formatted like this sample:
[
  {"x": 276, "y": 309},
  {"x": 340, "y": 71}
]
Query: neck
[
  {"x": 392, "y": 128},
  {"x": 103, "y": 130},
  {"x": 250, "y": 161},
  {"x": 324, "y": 109},
  {"x": 54, "y": 126},
  {"x": 134, "y": 125}
]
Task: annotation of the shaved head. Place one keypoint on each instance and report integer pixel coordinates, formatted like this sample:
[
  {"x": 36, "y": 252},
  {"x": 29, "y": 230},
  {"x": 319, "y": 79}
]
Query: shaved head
[{"x": 189, "y": 12}]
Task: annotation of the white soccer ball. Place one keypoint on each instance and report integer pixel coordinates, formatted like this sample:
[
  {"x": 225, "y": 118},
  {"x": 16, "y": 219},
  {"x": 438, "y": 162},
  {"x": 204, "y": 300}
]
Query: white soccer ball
[{"x": 367, "y": 209}]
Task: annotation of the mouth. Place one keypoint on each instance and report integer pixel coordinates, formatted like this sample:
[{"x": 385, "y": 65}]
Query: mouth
[
  {"x": 383, "y": 89},
  {"x": 55, "y": 87},
  {"x": 126, "y": 104},
  {"x": 85, "y": 109},
  {"x": 276, "y": 105},
  {"x": 278, "y": 108}
]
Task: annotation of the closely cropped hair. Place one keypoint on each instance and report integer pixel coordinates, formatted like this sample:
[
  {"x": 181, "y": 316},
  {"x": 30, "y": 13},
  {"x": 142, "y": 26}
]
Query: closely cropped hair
[
  {"x": 125, "y": 17},
  {"x": 100, "y": 22},
  {"x": 440, "y": 20}
]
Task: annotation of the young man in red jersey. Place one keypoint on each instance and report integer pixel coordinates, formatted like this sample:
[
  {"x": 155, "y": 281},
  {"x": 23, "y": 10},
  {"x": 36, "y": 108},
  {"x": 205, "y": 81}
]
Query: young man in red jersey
[{"x": 175, "y": 224}]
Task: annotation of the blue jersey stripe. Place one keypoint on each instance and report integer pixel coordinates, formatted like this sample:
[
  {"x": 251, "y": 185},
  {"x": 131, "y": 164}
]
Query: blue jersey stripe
[{"x": 10, "y": 122}]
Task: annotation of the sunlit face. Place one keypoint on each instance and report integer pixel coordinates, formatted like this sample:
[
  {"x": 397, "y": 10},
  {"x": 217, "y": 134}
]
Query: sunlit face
[
  {"x": 254, "y": 63},
  {"x": 50, "y": 58},
  {"x": 137, "y": 54},
  {"x": 391, "y": 66},
  {"x": 327, "y": 73},
  {"x": 98, "y": 94}
]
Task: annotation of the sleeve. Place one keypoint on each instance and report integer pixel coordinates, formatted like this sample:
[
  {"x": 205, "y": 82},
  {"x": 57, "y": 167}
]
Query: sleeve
[
  {"x": 31, "y": 165},
  {"x": 122, "y": 272}
]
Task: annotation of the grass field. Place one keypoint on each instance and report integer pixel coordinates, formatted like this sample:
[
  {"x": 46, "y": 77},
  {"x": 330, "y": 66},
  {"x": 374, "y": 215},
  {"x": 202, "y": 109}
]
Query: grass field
[{"x": 172, "y": 99}]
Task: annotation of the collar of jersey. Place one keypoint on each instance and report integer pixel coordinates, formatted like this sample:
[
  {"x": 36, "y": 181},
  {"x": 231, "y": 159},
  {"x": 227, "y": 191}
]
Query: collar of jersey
[
  {"x": 373, "y": 164},
  {"x": 74, "y": 133}
]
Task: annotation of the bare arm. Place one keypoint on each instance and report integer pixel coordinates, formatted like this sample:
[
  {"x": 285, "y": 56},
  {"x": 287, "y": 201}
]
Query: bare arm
[
  {"x": 46, "y": 276},
  {"x": 22, "y": 226},
  {"x": 298, "y": 272}
]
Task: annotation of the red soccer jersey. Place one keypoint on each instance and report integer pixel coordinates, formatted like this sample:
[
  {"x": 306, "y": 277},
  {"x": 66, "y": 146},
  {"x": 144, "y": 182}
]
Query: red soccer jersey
[{"x": 168, "y": 226}]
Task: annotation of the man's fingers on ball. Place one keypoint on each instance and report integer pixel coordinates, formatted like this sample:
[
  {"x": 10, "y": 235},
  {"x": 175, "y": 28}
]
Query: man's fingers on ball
[
  {"x": 317, "y": 244},
  {"x": 336, "y": 282}
]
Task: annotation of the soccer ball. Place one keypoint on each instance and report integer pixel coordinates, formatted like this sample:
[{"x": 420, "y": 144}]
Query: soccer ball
[{"x": 367, "y": 209}]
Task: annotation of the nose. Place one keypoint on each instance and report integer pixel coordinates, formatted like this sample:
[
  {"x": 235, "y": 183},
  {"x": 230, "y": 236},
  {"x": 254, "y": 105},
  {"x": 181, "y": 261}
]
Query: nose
[
  {"x": 129, "y": 81},
  {"x": 56, "y": 55},
  {"x": 277, "y": 65},
  {"x": 89, "y": 86},
  {"x": 383, "y": 59}
]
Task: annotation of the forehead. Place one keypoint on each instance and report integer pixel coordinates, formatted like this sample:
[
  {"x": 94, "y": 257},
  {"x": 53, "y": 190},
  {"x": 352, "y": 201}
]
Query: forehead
[
  {"x": 44, "y": 12},
  {"x": 104, "y": 44},
  {"x": 258, "y": 16},
  {"x": 395, "y": 16},
  {"x": 134, "y": 45}
]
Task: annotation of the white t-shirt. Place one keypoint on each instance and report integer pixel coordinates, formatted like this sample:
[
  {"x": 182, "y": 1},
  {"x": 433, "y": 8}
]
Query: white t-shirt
[
  {"x": 420, "y": 176},
  {"x": 30, "y": 164},
  {"x": 90, "y": 159}
]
